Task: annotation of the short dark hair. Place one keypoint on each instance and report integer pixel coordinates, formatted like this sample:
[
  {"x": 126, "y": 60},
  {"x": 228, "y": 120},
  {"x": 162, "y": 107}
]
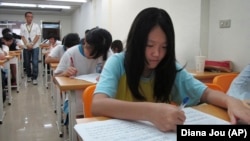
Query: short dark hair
[
  {"x": 8, "y": 37},
  {"x": 71, "y": 39},
  {"x": 100, "y": 40},
  {"x": 26, "y": 13},
  {"x": 6, "y": 30},
  {"x": 52, "y": 35},
  {"x": 117, "y": 44}
]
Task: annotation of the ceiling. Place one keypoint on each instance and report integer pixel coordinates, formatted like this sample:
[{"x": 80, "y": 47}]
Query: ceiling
[{"x": 40, "y": 11}]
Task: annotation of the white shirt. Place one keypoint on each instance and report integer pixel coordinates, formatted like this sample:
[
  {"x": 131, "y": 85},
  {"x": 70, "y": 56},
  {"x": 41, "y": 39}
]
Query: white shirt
[{"x": 30, "y": 31}]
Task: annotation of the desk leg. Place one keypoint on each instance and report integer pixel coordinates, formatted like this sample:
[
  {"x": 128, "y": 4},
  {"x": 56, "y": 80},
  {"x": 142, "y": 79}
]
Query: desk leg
[
  {"x": 2, "y": 112},
  {"x": 16, "y": 63},
  {"x": 58, "y": 109},
  {"x": 21, "y": 66},
  {"x": 9, "y": 83},
  {"x": 72, "y": 115},
  {"x": 53, "y": 92},
  {"x": 46, "y": 76}
]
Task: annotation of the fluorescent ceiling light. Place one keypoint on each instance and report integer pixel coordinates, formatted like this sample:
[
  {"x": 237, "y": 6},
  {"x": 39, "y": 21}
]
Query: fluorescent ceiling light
[
  {"x": 80, "y": 1},
  {"x": 54, "y": 6},
  {"x": 17, "y": 4}
]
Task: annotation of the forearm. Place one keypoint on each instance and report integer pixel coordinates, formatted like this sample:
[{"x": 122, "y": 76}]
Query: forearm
[
  {"x": 24, "y": 40},
  {"x": 122, "y": 109},
  {"x": 215, "y": 97},
  {"x": 36, "y": 39}
]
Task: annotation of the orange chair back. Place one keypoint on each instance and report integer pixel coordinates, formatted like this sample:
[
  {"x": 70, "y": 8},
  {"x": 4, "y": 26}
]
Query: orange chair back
[
  {"x": 214, "y": 86},
  {"x": 87, "y": 97},
  {"x": 224, "y": 81}
]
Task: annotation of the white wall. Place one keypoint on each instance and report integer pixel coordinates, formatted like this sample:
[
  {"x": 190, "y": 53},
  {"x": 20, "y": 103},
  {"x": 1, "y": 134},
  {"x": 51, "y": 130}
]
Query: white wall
[
  {"x": 118, "y": 15},
  {"x": 230, "y": 43},
  {"x": 196, "y": 25}
]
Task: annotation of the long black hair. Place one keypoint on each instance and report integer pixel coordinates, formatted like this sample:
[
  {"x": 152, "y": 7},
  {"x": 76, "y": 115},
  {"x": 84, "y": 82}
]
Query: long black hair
[{"x": 135, "y": 59}]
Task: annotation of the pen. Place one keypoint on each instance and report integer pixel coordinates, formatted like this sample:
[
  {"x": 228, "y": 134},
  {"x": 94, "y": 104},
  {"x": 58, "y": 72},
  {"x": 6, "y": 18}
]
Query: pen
[
  {"x": 184, "y": 102},
  {"x": 71, "y": 62}
]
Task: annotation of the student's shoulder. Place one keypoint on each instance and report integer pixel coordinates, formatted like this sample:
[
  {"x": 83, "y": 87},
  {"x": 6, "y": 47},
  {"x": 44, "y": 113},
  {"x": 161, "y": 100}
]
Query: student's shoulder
[
  {"x": 118, "y": 56},
  {"x": 116, "y": 59}
]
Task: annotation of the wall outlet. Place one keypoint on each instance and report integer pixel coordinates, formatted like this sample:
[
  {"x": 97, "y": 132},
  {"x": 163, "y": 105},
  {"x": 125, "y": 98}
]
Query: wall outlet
[{"x": 225, "y": 23}]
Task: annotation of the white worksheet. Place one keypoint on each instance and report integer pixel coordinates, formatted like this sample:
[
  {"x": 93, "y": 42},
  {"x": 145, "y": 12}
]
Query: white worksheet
[{"x": 122, "y": 130}]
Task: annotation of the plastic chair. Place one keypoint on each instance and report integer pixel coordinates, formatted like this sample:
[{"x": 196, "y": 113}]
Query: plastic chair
[
  {"x": 214, "y": 86},
  {"x": 87, "y": 96},
  {"x": 224, "y": 81}
]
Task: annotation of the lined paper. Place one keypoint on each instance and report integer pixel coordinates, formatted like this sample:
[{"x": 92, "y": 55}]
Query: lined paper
[{"x": 123, "y": 130}]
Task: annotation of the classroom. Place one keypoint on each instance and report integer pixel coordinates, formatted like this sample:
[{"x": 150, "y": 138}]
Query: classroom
[{"x": 199, "y": 30}]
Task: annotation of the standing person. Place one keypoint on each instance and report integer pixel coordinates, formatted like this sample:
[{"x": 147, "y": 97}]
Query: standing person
[
  {"x": 140, "y": 83},
  {"x": 31, "y": 33}
]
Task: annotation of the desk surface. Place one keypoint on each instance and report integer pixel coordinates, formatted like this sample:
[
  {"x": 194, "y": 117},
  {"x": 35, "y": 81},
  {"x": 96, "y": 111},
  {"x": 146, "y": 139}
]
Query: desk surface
[
  {"x": 66, "y": 83},
  {"x": 3, "y": 61},
  {"x": 53, "y": 65},
  {"x": 205, "y": 75},
  {"x": 206, "y": 108}
]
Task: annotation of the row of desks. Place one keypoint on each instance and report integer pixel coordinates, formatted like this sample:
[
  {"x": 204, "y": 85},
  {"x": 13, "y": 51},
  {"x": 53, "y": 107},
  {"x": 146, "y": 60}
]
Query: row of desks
[
  {"x": 13, "y": 58},
  {"x": 70, "y": 85}
]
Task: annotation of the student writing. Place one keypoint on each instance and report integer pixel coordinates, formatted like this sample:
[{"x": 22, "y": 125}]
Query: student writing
[{"x": 140, "y": 83}]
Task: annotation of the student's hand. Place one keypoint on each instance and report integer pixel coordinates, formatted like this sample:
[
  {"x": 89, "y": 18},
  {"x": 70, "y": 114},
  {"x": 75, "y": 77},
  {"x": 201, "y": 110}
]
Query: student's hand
[
  {"x": 166, "y": 117},
  {"x": 71, "y": 71},
  {"x": 2, "y": 56},
  {"x": 97, "y": 78},
  {"x": 237, "y": 111}
]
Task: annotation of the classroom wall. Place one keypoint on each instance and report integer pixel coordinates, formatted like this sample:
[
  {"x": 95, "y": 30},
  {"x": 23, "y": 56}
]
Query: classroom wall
[
  {"x": 117, "y": 17},
  {"x": 196, "y": 25},
  {"x": 230, "y": 43}
]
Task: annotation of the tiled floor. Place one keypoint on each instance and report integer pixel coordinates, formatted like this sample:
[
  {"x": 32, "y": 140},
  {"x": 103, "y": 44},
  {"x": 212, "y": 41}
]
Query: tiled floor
[{"x": 31, "y": 116}]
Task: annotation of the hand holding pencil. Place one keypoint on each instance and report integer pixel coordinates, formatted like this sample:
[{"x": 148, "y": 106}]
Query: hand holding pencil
[{"x": 71, "y": 70}]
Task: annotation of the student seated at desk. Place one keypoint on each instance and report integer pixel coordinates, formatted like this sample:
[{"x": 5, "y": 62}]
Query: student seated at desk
[
  {"x": 85, "y": 58},
  {"x": 140, "y": 83},
  {"x": 3, "y": 73},
  {"x": 10, "y": 41},
  {"x": 240, "y": 86},
  {"x": 56, "y": 53},
  {"x": 116, "y": 46},
  {"x": 48, "y": 45}
]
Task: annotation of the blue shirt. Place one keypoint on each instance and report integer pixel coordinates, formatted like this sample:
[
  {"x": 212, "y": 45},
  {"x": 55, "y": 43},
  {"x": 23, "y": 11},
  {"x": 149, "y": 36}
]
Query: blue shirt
[
  {"x": 240, "y": 86},
  {"x": 112, "y": 82}
]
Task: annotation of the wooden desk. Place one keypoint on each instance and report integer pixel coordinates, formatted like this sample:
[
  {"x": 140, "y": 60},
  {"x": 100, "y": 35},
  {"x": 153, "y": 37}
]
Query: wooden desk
[
  {"x": 206, "y": 108},
  {"x": 17, "y": 61},
  {"x": 53, "y": 65},
  {"x": 53, "y": 87},
  {"x": 206, "y": 77},
  {"x": 210, "y": 109},
  {"x": 9, "y": 77},
  {"x": 70, "y": 85}
]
